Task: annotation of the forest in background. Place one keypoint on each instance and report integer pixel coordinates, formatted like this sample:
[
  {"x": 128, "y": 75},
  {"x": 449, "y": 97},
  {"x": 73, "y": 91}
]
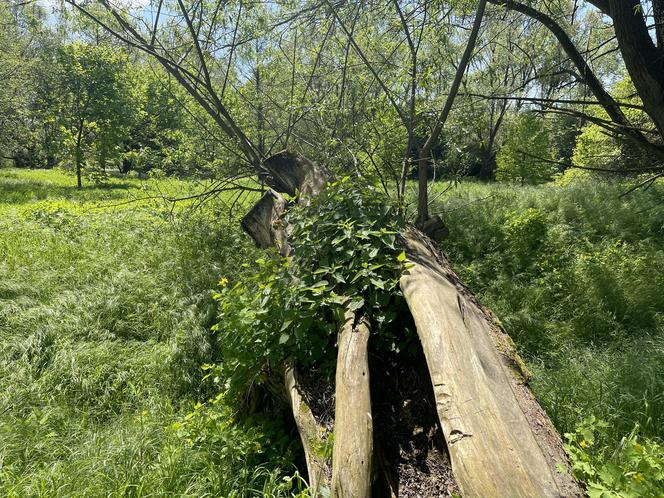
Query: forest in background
[
  {"x": 74, "y": 95},
  {"x": 550, "y": 189}
]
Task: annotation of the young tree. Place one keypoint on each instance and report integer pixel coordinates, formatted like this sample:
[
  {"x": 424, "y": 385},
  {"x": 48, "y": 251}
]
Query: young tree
[{"x": 98, "y": 103}]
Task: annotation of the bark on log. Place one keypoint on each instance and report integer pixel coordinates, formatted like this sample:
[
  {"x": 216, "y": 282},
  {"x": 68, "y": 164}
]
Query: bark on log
[
  {"x": 353, "y": 425},
  {"x": 501, "y": 442},
  {"x": 435, "y": 228},
  {"x": 292, "y": 174},
  {"x": 318, "y": 466},
  {"x": 263, "y": 222}
]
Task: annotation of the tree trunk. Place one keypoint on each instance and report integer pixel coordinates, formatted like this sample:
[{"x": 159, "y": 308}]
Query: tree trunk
[
  {"x": 644, "y": 61},
  {"x": 311, "y": 432},
  {"x": 658, "y": 17},
  {"x": 488, "y": 166},
  {"x": 423, "y": 188},
  {"x": 263, "y": 222},
  {"x": 500, "y": 440},
  {"x": 79, "y": 183},
  {"x": 353, "y": 423},
  {"x": 78, "y": 154},
  {"x": 425, "y": 152}
]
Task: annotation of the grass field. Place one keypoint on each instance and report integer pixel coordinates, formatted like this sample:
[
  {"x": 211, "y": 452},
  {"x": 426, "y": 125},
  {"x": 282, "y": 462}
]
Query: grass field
[
  {"x": 105, "y": 315},
  {"x": 104, "y": 324},
  {"x": 576, "y": 275}
]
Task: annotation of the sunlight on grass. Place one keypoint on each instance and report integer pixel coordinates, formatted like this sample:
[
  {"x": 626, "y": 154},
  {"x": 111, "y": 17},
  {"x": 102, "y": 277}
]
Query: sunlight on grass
[
  {"x": 106, "y": 309},
  {"x": 104, "y": 324},
  {"x": 576, "y": 274}
]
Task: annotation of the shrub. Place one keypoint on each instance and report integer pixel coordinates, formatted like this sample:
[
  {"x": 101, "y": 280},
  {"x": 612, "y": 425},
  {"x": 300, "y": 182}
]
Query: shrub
[
  {"x": 343, "y": 255},
  {"x": 523, "y": 157},
  {"x": 634, "y": 468}
]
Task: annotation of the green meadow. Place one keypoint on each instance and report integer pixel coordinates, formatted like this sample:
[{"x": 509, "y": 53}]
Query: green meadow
[{"x": 106, "y": 311}]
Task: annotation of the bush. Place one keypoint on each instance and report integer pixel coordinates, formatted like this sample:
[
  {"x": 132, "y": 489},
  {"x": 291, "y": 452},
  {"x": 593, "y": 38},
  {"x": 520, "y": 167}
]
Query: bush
[
  {"x": 523, "y": 157},
  {"x": 633, "y": 468},
  {"x": 343, "y": 253}
]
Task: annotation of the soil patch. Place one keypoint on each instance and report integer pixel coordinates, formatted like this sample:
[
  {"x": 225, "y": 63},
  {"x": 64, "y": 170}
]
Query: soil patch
[{"x": 410, "y": 449}]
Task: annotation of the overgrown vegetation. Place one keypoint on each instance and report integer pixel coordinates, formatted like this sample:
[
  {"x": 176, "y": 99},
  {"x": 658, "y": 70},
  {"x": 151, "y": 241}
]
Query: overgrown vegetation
[
  {"x": 632, "y": 468},
  {"x": 132, "y": 337},
  {"x": 575, "y": 271},
  {"x": 345, "y": 257},
  {"x": 104, "y": 324}
]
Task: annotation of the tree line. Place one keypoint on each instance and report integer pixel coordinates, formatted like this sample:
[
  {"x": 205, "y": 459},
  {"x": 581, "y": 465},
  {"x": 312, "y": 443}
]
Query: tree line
[{"x": 381, "y": 89}]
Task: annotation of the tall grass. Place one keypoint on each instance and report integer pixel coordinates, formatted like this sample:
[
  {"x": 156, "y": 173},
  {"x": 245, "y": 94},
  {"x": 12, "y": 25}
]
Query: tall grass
[
  {"x": 104, "y": 324},
  {"x": 576, "y": 274},
  {"x": 105, "y": 315}
]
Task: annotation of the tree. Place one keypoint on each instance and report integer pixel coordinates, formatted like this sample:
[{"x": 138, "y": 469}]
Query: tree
[
  {"x": 15, "y": 67},
  {"x": 524, "y": 155},
  {"x": 642, "y": 58},
  {"x": 98, "y": 103}
]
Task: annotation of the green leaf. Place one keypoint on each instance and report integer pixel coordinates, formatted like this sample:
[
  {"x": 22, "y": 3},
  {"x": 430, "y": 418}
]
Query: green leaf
[{"x": 356, "y": 304}]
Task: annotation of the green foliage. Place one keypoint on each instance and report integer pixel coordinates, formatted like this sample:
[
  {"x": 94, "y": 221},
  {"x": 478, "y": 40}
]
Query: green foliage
[
  {"x": 633, "y": 469},
  {"x": 237, "y": 449},
  {"x": 524, "y": 233},
  {"x": 98, "y": 102},
  {"x": 345, "y": 252},
  {"x": 524, "y": 154},
  {"x": 104, "y": 325},
  {"x": 596, "y": 148},
  {"x": 575, "y": 274}
]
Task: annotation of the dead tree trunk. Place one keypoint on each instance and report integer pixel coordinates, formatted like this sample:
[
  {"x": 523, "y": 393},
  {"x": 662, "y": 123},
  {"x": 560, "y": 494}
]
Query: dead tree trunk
[
  {"x": 263, "y": 222},
  {"x": 293, "y": 175},
  {"x": 500, "y": 440},
  {"x": 311, "y": 432},
  {"x": 353, "y": 425}
]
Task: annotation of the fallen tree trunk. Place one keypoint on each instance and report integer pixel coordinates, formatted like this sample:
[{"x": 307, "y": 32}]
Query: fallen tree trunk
[
  {"x": 311, "y": 434},
  {"x": 292, "y": 174},
  {"x": 263, "y": 222},
  {"x": 353, "y": 424},
  {"x": 500, "y": 440}
]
